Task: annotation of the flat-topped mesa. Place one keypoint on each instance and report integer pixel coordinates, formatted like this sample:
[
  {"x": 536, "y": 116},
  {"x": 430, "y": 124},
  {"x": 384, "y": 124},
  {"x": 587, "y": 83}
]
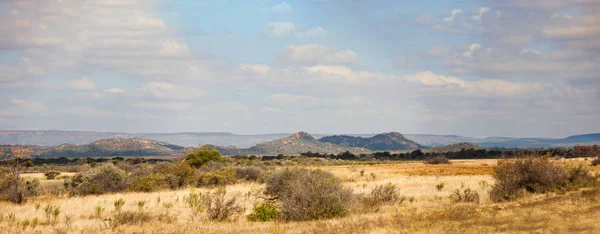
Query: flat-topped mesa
[{"x": 303, "y": 136}]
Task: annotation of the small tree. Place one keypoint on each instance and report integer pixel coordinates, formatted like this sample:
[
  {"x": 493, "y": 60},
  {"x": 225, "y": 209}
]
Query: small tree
[
  {"x": 16, "y": 155},
  {"x": 203, "y": 155}
]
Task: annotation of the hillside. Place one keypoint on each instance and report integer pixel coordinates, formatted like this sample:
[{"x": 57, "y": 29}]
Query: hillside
[
  {"x": 381, "y": 142},
  {"x": 454, "y": 147},
  {"x": 297, "y": 143},
  {"x": 110, "y": 147},
  {"x": 190, "y": 139}
]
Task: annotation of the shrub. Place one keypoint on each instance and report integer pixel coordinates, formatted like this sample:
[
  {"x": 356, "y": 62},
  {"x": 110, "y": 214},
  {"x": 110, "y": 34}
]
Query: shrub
[
  {"x": 106, "y": 178},
  {"x": 195, "y": 202},
  {"x": 51, "y": 175},
  {"x": 596, "y": 162},
  {"x": 223, "y": 176},
  {"x": 221, "y": 208},
  {"x": 176, "y": 175},
  {"x": 439, "y": 186},
  {"x": 251, "y": 173},
  {"x": 308, "y": 194},
  {"x": 118, "y": 204},
  {"x": 514, "y": 177},
  {"x": 579, "y": 177},
  {"x": 437, "y": 160},
  {"x": 130, "y": 217},
  {"x": 203, "y": 155},
  {"x": 51, "y": 213},
  {"x": 148, "y": 183},
  {"x": 387, "y": 193},
  {"x": 32, "y": 187},
  {"x": 263, "y": 212},
  {"x": 13, "y": 189},
  {"x": 381, "y": 195},
  {"x": 466, "y": 195}
]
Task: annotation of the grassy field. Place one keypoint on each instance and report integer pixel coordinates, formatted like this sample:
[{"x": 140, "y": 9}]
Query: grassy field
[{"x": 426, "y": 208}]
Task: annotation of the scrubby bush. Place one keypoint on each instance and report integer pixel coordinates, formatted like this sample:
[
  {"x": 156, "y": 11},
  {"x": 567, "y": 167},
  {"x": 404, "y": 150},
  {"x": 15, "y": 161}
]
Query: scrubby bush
[
  {"x": 223, "y": 176},
  {"x": 308, "y": 194},
  {"x": 130, "y": 217},
  {"x": 221, "y": 208},
  {"x": 579, "y": 176},
  {"x": 148, "y": 183},
  {"x": 176, "y": 175},
  {"x": 251, "y": 173},
  {"x": 51, "y": 175},
  {"x": 596, "y": 162},
  {"x": 466, "y": 195},
  {"x": 514, "y": 177},
  {"x": 203, "y": 155},
  {"x": 102, "y": 179},
  {"x": 263, "y": 212},
  {"x": 437, "y": 160},
  {"x": 381, "y": 195}
]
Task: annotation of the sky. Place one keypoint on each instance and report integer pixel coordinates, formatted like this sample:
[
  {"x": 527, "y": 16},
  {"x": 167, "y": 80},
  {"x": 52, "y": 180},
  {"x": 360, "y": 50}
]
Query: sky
[{"x": 473, "y": 68}]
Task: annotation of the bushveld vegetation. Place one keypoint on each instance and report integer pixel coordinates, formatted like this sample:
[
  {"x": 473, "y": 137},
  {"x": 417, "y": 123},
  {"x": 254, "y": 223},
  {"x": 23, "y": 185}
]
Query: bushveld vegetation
[{"x": 329, "y": 196}]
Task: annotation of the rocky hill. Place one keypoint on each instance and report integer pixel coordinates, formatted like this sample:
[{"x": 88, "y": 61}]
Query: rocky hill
[
  {"x": 110, "y": 147},
  {"x": 381, "y": 142},
  {"x": 297, "y": 143}
]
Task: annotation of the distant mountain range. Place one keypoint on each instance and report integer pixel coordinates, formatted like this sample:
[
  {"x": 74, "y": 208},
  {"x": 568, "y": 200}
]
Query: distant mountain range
[
  {"x": 297, "y": 143},
  {"x": 380, "y": 142},
  {"x": 187, "y": 139},
  {"x": 109, "y": 147}
]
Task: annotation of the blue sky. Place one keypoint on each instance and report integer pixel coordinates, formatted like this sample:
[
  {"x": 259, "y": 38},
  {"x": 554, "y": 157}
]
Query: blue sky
[{"x": 474, "y": 68}]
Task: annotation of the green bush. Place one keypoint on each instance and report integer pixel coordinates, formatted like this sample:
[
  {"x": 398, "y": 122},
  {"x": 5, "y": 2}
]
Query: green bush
[
  {"x": 223, "y": 176},
  {"x": 264, "y": 212},
  {"x": 203, "y": 155},
  {"x": 148, "y": 183},
  {"x": 99, "y": 180},
  {"x": 51, "y": 175},
  {"x": 176, "y": 175},
  {"x": 515, "y": 177},
  {"x": 308, "y": 194}
]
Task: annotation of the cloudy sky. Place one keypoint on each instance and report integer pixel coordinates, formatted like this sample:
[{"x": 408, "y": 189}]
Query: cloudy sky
[{"x": 474, "y": 68}]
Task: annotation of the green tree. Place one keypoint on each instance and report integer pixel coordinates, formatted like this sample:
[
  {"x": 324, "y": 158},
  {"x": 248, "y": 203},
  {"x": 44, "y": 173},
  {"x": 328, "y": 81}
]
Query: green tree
[{"x": 204, "y": 154}]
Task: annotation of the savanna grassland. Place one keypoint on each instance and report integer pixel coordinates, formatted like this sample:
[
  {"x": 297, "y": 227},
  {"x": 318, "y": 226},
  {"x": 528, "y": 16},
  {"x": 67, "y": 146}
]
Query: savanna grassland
[{"x": 426, "y": 202}]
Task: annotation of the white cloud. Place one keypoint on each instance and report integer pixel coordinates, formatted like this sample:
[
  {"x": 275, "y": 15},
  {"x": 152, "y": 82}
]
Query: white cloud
[
  {"x": 453, "y": 14},
  {"x": 166, "y": 90},
  {"x": 480, "y": 12},
  {"x": 163, "y": 105},
  {"x": 281, "y": 8},
  {"x": 83, "y": 84},
  {"x": 286, "y": 29},
  {"x": 114, "y": 90},
  {"x": 484, "y": 87},
  {"x": 313, "y": 54},
  {"x": 431, "y": 79},
  {"x": 289, "y": 99},
  {"x": 312, "y": 32},
  {"x": 258, "y": 68},
  {"x": 471, "y": 49}
]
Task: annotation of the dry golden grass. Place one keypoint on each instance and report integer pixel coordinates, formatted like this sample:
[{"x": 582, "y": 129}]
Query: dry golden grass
[{"x": 426, "y": 209}]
